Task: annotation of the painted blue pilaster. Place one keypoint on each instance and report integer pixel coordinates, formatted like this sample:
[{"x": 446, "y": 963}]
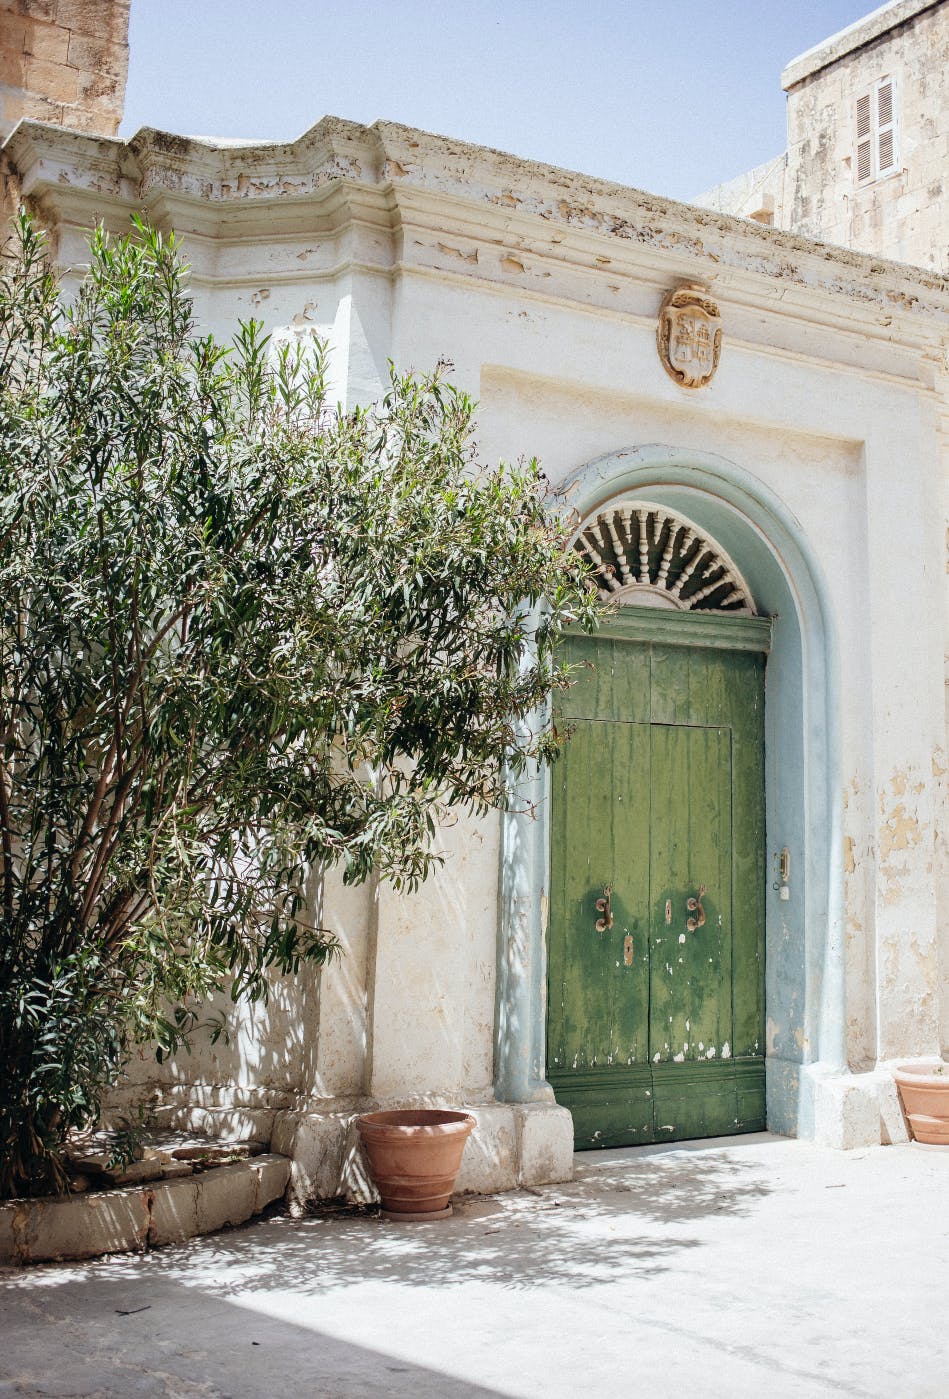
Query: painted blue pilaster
[{"x": 520, "y": 1016}]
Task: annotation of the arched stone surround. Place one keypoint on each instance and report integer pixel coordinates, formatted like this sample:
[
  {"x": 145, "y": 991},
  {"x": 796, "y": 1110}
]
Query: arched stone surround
[{"x": 805, "y": 953}]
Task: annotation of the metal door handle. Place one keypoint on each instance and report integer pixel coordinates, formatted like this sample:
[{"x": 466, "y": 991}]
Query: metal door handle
[
  {"x": 695, "y": 906},
  {"x": 603, "y": 906}
]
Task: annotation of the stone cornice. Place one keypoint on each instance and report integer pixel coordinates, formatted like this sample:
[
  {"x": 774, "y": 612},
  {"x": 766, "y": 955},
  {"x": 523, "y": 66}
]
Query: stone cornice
[
  {"x": 855, "y": 36},
  {"x": 440, "y": 203}
]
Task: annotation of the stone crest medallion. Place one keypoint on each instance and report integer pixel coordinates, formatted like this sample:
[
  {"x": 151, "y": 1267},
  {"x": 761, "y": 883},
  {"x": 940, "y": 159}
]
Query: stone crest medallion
[{"x": 689, "y": 336}]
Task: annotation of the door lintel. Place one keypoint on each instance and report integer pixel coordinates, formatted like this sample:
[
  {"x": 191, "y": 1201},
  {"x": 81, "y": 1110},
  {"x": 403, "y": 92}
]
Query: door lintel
[{"x": 716, "y": 631}]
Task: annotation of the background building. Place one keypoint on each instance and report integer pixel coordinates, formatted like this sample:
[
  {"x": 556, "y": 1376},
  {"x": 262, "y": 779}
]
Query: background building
[
  {"x": 867, "y": 163},
  {"x": 63, "y": 61}
]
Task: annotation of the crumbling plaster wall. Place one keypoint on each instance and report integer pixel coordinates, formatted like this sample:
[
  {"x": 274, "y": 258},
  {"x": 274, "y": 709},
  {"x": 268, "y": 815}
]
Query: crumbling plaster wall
[
  {"x": 573, "y": 393},
  {"x": 848, "y": 453},
  {"x": 853, "y": 452},
  {"x": 941, "y": 758}
]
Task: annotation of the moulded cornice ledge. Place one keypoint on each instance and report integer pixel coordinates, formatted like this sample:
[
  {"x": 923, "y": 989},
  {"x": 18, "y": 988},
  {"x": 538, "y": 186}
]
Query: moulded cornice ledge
[
  {"x": 811, "y": 284},
  {"x": 155, "y": 169},
  {"x": 387, "y": 172},
  {"x": 855, "y": 36},
  {"x": 507, "y": 185},
  {"x": 240, "y": 172},
  {"x": 43, "y": 155}
]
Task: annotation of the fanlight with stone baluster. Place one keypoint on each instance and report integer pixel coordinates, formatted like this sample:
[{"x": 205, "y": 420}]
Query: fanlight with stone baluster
[{"x": 648, "y": 555}]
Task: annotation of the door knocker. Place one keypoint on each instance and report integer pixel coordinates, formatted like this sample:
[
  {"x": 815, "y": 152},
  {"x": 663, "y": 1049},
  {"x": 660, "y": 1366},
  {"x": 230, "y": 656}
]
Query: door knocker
[
  {"x": 695, "y": 906},
  {"x": 603, "y": 906}
]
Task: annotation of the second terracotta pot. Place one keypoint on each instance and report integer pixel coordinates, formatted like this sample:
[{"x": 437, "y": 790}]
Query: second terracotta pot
[
  {"x": 414, "y": 1157},
  {"x": 924, "y": 1093}
]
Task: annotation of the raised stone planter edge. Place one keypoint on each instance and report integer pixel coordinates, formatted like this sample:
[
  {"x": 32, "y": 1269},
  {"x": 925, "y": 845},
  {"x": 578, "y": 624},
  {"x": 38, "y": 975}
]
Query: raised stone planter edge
[{"x": 131, "y": 1219}]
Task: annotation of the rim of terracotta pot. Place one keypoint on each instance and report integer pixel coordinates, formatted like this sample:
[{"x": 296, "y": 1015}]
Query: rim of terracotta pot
[
  {"x": 428, "y": 1121},
  {"x": 929, "y": 1075}
]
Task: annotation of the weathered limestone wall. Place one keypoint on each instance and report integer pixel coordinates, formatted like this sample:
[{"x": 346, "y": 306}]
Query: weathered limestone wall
[
  {"x": 757, "y": 194},
  {"x": 904, "y": 215},
  {"x": 64, "y": 61},
  {"x": 406, "y": 1008},
  {"x": 543, "y": 289},
  {"x": 813, "y": 189}
]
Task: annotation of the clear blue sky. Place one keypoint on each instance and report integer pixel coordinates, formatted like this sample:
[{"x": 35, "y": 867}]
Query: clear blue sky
[{"x": 670, "y": 97}]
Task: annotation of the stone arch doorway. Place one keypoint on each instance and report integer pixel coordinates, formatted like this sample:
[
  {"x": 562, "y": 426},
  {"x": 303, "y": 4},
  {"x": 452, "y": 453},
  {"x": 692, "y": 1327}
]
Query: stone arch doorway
[{"x": 804, "y": 990}]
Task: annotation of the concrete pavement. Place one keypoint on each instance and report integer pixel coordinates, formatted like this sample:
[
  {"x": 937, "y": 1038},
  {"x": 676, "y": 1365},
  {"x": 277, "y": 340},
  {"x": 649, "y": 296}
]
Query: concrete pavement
[{"x": 750, "y": 1266}]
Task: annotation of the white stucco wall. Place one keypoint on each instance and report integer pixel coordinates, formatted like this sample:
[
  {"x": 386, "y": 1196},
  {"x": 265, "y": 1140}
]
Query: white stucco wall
[{"x": 543, "y": 288}]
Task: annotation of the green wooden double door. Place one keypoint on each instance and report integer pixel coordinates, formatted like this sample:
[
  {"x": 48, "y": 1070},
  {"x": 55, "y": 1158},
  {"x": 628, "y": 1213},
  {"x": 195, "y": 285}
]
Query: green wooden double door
[{"x": 655, "y": 1028}]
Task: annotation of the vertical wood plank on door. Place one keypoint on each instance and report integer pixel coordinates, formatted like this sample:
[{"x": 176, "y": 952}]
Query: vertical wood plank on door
[
  {"x": 661, "y": 790},
  {"x": 749, "y": 851}
]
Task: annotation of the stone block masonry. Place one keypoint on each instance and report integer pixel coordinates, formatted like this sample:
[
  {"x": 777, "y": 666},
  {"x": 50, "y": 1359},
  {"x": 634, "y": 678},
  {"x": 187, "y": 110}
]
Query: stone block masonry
[
  {"x": 901, "y": 214},
  {"x": 132, "y": 1219},
  {"x": 887, "y": 199},
  {"x": 65, "y": 62}
]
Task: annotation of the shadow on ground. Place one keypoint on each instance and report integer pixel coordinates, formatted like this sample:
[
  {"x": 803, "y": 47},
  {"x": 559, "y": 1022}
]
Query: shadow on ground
[
  {"x": 578, "y": 1234},
  {"x": 152, "y": 1336}
]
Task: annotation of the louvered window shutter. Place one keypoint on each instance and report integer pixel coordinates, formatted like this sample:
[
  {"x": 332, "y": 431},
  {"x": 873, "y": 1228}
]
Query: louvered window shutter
[
  {"x": 886, "y": 129},
  {"x": 864, "y": 138},
  {"x": 876, "y": 132}
]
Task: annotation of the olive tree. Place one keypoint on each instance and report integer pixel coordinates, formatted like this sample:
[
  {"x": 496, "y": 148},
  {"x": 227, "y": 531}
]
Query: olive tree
[{"x": 243, "y": 634}]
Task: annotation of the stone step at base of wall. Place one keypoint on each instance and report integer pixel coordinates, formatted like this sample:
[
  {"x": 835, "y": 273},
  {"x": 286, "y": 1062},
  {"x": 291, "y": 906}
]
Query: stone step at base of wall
[{"x": 134, "y": 1218}]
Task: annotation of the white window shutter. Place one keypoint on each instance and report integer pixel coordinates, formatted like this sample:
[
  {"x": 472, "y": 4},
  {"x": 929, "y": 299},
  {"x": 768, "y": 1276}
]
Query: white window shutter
[
  {"x": 886, "y": 127},
  {"x": 864, "y": 139},
  {"x": 876, "y": 132},
  {"x": 864, "y": 159},
  {"x": 863, "y": 115}
]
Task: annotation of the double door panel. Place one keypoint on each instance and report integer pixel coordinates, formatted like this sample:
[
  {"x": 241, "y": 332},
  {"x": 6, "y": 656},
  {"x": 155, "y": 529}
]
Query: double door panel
[{"x": 655, "y": 1022}]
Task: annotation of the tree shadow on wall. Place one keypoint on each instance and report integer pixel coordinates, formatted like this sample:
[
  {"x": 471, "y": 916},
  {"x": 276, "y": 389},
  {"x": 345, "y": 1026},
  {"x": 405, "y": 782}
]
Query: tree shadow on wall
[{"x": 268, "y": 1058}]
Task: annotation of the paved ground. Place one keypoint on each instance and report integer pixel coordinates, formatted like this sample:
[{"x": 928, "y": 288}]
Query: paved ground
[{"x": 753, "y": 1266}]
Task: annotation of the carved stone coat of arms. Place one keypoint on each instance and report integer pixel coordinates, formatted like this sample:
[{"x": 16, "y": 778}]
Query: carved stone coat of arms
[{"x": 689, "y": 336}]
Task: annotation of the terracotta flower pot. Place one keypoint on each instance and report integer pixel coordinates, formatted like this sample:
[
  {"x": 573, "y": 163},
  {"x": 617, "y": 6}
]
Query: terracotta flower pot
[
  {"x": 924, "y": 1093},
  {"x": 414, "y": 1157}
]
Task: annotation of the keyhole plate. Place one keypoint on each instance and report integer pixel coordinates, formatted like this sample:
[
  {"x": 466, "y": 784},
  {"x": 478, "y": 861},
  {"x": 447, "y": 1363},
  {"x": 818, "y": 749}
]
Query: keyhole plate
[{"x": 628, "y": 950}]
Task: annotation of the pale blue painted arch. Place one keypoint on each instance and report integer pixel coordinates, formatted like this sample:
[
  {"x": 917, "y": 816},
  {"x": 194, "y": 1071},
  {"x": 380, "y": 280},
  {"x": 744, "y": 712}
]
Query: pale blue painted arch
[{"x": 805, "y": 995}]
